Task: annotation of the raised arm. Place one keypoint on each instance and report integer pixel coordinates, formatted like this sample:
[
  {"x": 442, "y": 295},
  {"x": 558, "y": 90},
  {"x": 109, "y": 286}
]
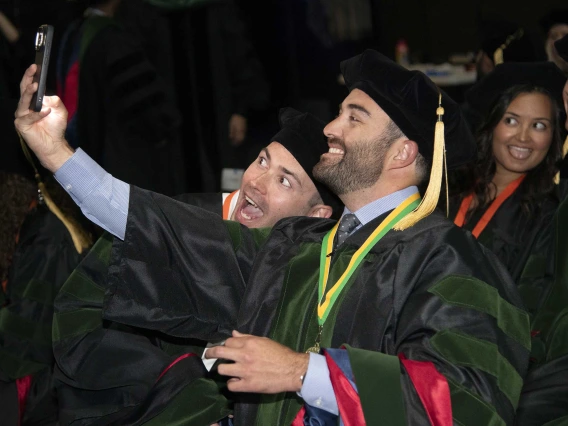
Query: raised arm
[
  {"x": 43, "y": 131},
  {"x": 102, "y": 198}
]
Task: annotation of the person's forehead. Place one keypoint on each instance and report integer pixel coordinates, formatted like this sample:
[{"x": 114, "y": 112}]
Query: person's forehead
[
  {"x": 531, "y": 101},
  {"x": 360, "y": 98},
  {"x": 281, "y": 157}
]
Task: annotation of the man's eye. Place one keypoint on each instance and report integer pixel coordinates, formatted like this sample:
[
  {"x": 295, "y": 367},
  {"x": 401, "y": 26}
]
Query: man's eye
[{"x": 284, "y": 181}]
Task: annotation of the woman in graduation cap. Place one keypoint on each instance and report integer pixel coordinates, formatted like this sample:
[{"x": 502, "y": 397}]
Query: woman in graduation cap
[{"x": 510, "y": 196}]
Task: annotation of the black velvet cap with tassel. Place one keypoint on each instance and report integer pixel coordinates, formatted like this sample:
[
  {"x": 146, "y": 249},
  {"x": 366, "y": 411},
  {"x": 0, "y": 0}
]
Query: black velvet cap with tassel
[
  {"x": 410, "y": 99},
  {"x": 423, "y": 112},
  {"x": 547, "y": 75},
  {"x": 505, "y": 41},
  {"x": 301, "y": 133}
]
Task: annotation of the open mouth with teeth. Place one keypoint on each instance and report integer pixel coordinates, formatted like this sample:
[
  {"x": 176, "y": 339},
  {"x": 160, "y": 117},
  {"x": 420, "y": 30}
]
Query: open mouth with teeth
[
  {"x": 519, "y": 153},
  {"x": 333, "y": 150},
  {"x": 249, "y": 209}
]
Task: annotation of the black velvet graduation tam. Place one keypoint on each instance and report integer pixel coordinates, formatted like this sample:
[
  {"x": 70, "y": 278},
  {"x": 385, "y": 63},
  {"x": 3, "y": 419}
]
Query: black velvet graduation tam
[
  {"x": 301, "y": 133},
  {"x": 547, "y": 75},
  {"x": 516, "y": 43},
  {"x": 562, "y": 47},
  {"x": 410, "y": 99}
]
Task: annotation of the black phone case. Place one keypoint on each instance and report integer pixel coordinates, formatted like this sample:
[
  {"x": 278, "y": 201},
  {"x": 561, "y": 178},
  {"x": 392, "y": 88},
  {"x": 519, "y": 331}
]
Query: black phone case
[{"x": 42, "y": 61}]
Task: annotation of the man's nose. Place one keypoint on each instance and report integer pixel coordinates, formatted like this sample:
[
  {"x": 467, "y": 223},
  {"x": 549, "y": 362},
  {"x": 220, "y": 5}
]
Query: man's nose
[
  {"x": 259, "y": 183},
  {"x": 333, "y": 128}
]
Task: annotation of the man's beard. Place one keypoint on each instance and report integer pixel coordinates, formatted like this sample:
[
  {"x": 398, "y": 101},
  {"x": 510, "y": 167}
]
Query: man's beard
[{"x": 360, "y": 167}]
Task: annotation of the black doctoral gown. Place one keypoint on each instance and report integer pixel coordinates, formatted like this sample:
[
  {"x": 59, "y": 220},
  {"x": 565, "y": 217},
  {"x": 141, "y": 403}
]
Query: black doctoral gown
[
  {"x": 108, "y": 373},
  {"x": 521, "y": 238},
  {"x": 545, "y": 391},
  {"x": 431, "y": 293}
]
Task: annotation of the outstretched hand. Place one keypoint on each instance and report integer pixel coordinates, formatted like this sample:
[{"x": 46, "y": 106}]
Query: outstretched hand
[
  {"x": 260, "y": 364},
  {"x": 43, "y": 131}
]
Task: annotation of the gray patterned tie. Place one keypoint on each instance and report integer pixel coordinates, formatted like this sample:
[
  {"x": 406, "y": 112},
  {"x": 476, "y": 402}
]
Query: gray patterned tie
[{"x": 347, "y": 224}]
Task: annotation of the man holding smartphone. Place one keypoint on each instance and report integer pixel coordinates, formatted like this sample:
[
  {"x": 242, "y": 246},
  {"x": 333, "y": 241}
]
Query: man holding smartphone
[
  {"x": 418, "y": 320},
  {"x": 277, "y": 184}
]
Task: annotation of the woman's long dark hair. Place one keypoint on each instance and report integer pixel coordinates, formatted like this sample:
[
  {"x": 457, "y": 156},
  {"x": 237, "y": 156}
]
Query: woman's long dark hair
[{"x": 539, "y": 182}]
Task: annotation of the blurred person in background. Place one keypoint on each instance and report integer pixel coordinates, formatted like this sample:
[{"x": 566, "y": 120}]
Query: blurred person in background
[
  {"x": 220, "y": 84},
  {"x": 120, "y": 110}
]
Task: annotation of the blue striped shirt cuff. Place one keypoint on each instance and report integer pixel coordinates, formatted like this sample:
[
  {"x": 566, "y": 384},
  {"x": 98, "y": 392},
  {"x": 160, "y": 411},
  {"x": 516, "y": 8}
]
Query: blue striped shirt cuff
[
  {"x": 317, "y": 389},
  {"x": 102, "y": 198}
]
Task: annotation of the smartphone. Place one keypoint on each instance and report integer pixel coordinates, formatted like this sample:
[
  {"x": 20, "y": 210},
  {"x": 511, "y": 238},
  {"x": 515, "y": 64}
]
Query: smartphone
[{"x": 43, "y": 42}]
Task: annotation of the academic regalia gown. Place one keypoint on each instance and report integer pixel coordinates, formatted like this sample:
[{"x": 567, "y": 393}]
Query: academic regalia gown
[
  {"x": 44, "y": 258},
  {"x": 109, "y": 373},
  {"x": 545, "y": 392},
  {"x": 430, "y": 293},
  {"x": 522, "y": 240}
]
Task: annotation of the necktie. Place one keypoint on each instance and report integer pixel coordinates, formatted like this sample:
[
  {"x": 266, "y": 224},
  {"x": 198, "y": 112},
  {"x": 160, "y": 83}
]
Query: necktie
[{"x": 346, "y": 225}]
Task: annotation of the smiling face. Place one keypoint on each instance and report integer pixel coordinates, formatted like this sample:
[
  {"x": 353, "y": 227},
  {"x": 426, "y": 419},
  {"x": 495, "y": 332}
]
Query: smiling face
[
  {"x": 523, "y": 136},
  {"x": 357, "y": 145},
  {"x": 274, "y": 186}
]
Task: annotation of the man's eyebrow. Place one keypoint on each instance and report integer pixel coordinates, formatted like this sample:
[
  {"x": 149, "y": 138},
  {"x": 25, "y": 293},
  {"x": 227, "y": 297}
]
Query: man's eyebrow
[
  {"x": 359, "y": 108},
  {"x": 291, "y": 173},
  {"x": 282, "y": 168}
]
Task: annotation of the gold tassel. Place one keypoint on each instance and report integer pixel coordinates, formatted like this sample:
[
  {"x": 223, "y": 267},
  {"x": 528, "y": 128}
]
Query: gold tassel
[
  {"x": 564, "y": 152},
  {"x": 432, "y": 194},
  {"x": 81, "y": 239},
  {"x": 498, "y": 54}
]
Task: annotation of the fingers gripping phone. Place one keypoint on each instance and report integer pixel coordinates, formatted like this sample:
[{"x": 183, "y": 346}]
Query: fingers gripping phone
[{"x": 43, "y": 42}]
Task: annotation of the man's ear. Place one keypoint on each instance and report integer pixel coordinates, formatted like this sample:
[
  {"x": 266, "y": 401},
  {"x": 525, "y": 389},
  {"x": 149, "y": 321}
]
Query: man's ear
[
  {"x": 320, "y": 210},
  {"x": 404, "y": 155}
]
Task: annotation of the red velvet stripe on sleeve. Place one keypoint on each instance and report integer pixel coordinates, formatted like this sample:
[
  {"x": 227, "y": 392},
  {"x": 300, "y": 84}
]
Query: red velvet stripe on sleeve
[{"x": 432, "y": 388}]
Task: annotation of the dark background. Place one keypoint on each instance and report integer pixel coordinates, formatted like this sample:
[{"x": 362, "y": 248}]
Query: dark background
[
  {"x": 299, "y": 52},
  {"x": 300, "y": 67}
]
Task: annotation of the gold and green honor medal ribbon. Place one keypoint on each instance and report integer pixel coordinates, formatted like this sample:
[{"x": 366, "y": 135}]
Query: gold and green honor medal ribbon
[{"x": 326, "y": 303}]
